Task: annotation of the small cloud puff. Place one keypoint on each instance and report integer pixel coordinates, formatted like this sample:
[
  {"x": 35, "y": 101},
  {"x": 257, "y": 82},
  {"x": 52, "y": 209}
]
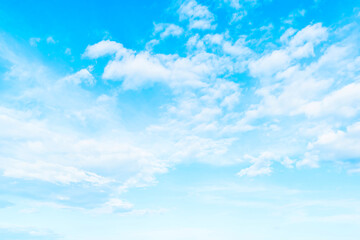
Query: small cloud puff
[
  {"x": 167, "y": 29},
  {"x": 68, "y": 51},
  {"x": 34, "y": 41},
  {"x": 50, "y": 40},
  {"x": 198, "y": 15},
  {"x": 103, "y": 48},
  {"x": 82, "y": 76}
]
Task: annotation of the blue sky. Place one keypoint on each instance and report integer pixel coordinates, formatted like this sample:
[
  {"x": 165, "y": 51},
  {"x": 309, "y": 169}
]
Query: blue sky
[{"x": 224, "y": 119}]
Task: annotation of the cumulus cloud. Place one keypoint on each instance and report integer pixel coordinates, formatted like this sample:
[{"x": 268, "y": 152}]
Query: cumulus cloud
[
  {"x": 301, "y": 45},
  {"x": 168, "y": 29},
  {"x": 137, "y": 69},
  {"x": 234, "y": 3},
  {"x": 198, "y": 15},
  {"x": 314, "y": 34},
  {"x": 288, "y": 87},
  {"x": 241, "y": 8},
  {"x": 339, "y": 144},
  {"x": 103, "y": 48},
  {"x": 270, "y": 64},
  {"x": 50, "y": 40},
  {"x": 53, "y": 148},
  {"x": 257, "y": 104},
  {"x": 342, "y": 102},
  {"x": 309, "y": 160},
  {"x": 144, "y": 68},
  {"x": 238, "y": 4},
  {"x": 208, "y": 113},
  {"x": 66, "y": 155},
  {"x": 82, "y": 76}
]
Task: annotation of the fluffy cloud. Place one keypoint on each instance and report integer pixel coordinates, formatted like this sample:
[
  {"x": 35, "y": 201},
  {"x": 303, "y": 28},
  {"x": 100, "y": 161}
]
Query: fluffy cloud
[
  {"x": 68, "y": 135},
  {"x": 168, "y": 29},
  {"x": 291, "y": 88},
  {"x": 288, "y": 88},
  {"x": 66, "y": 155},
  {"x": 256, "y": 103},
  {"x": 339, "y": 144},
  {"x": 50, "y": 40},
  {"x": 82, "y": 76},
  {"x": 143, "y": 68},
  {"x": 234, "y": 3},
  {"x": 270, "y": 64},
  {"x": 198, "y": 15},
  {"x": 342, "y": 102},
  {"x": 260, "y": 165},
  {"x": 237, "y": 4},
  {"x": 103, "y": 48},
  {"x": 196, "y": 70},
  {"x": 207, "y": 118},
  {"x": 300, "y": 46}
]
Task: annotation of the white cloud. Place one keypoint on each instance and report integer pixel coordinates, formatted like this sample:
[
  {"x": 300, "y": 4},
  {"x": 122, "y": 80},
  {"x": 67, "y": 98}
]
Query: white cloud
[
  {"x": 309, "y": 160},
  {"x": 309, "y": 88},
  {"x": 150, "y": 44},
  {"x": 204, "y": 149},
  {"x": 137, "y": 69},
  {"x": 34, "y": 41},
  {"x": 343, "y": 102},
  {"x": 59, "y": 157},
  {"x": 46, "y": 138},
  {"x": 295, "y": 14},
  {"x": 270, "y": 64},
  {"x": 287, "y": 162},
  {"x": 287, "y": 34},
  {"x": 214, "y": 38},
  {"x": 204, "y": 117},
  {"x": 196, "y": 70},
  {"x": 238, "y": 16},
  {"x": 103, "y": 48},
  {"x": 234, "y": 3},
  {"x": 114, "y": 205},
  {"x": 50, "y": 40},
  {"x": 68, "y": 51},
  {"x": 313, "y": 34},
  {"x": 49, "y": 172},
  {"x": 194, "y": 43},
  {"x": 339, "y": 144},
  {"x": 241, "y": 8},
  {"x": 237, "y": 49},
  {"x": 143, "y": 68},
  {"x": 226, "y": 91},
  {"x": 354, "y": 170},
  {"x": 238, "y": 4},
  {"x": 260, "y": 165},
  {"x": 301, "y": 45},
  {"x": 167, "y": 29},
  {"x": 214, "y": 110},
  {"x": 82, "y": 76},
  {"x": 290, "y": 88},
  {"x": 141, "y": 212},
  {"x": 198, "y": 15}
]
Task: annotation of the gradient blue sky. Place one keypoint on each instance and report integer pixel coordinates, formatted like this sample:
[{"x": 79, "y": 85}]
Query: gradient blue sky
[{"x": 196, "y": 120}]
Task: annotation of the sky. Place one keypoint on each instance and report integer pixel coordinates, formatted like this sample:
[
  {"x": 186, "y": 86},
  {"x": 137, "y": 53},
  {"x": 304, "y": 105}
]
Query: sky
[{"x": 180, "y": 119}]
